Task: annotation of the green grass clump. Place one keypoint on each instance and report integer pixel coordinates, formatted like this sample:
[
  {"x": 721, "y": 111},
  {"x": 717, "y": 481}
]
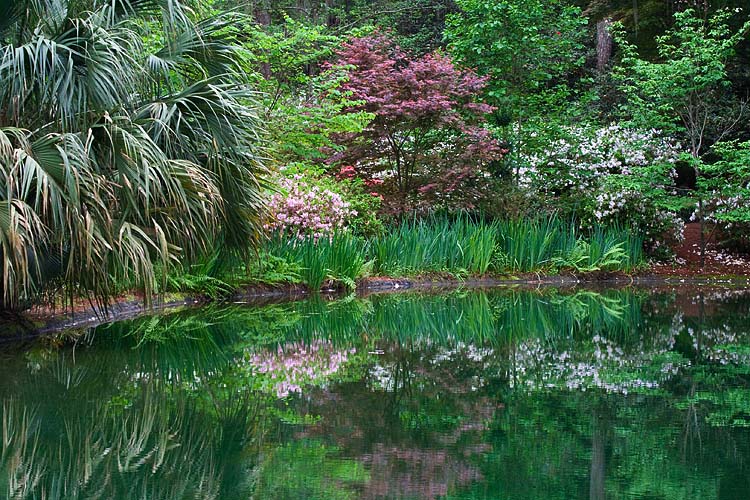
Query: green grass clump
[
  {"x": 339, "y": 258},
  {"x": 460, "y": 246},
  {"x": 552, "y": 245}
]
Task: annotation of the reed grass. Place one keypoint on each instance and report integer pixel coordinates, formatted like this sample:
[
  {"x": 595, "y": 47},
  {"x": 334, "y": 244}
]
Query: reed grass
[
  {"x": 461, "y": 246},
  {"x": 341, "y": 258},
  {"x": 435, "y": 245}
]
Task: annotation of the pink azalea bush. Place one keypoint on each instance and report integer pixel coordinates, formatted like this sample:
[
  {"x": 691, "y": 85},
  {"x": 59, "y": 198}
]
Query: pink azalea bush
[{"x": 302, "y": 208}]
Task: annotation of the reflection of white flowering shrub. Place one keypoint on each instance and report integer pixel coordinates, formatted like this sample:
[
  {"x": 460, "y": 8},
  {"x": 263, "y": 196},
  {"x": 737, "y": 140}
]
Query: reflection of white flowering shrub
[
  {"x": 601, "y": 365},
  {"x": 383, "y": 374},
  {"x": 608, "y": 175},
  {"x": 722, "y": 344}
]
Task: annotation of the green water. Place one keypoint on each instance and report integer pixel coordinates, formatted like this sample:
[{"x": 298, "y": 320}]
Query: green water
[{"x": 504, "y": 394}]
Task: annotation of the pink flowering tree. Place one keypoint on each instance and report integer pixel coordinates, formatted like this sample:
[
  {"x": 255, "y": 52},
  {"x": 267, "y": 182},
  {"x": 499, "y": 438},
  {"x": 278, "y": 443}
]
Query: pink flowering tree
[{"x": 426, "y": 142}]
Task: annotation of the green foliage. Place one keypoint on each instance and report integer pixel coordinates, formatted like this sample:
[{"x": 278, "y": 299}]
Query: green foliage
[
  {"x": 294, "y": 471},
  {"x": 304, "y": 123},
  {"x": 121, "y": 158},
  {"x": 725, "y": 185},
  {"x": 681, "y": 90},
  {"x": 340, "y": 257},
  {"x": 288, "y": 53},
  {"x": 526, "y": 48},
  {"x": 199, "y": 284},
  {"x": 727, "y": 181},
  {"x": 462, "y": 247},
  {"x": 550, "y": 244},
  {"x": 604, "y": 253},
  {"x": 458, "y": 246},
  {"x": 271, "y": 269},
  {"x": 303, "y": 102}
]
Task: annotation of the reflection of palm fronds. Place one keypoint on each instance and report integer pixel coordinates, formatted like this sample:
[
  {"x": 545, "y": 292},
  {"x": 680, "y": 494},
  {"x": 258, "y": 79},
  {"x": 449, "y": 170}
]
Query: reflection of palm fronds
[
  {"x": 21, "y": 471},
  {"x": 161, "y": 449}
]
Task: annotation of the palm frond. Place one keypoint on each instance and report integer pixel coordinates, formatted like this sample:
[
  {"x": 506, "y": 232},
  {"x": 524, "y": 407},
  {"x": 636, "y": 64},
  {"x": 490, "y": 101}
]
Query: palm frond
[
  {"x": 113, "y": 164},
  {"x": 22, "y": 238}
]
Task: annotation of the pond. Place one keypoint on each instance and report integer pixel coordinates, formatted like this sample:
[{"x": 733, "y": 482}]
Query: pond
[{"x": 508, "y": 394}]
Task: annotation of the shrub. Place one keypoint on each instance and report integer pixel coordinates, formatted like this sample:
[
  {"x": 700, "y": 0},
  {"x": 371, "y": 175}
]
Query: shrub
[
  {"x": 427, "y": 141},
  {"x": 726, "y": 186},
  {"x": 304, "y": 207},
  {"x": 608, "y": 175}
]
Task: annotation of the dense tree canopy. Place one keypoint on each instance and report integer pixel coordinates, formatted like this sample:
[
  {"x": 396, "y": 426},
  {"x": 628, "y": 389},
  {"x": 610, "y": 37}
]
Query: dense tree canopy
[{"x": 425, "y": 136}]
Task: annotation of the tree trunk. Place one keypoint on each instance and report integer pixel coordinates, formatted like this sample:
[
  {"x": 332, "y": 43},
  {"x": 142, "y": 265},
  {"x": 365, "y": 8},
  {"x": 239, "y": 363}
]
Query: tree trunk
[
  {"x": 332, "y": 20},
  {"x": 604, "y": 44},
  {"x": 262, "y": 16},
  {"x": 598, "y": 470}
]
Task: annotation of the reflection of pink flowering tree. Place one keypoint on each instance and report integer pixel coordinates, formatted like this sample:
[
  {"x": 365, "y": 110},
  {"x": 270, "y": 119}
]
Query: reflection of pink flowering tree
[
  {"x": 376, "y": 421},
  {"x": 293, "y": 366},
  {"x": 426, "y": 140},
  {"x": 304, "y": 209},
  {"x": 416, "y": 473}
]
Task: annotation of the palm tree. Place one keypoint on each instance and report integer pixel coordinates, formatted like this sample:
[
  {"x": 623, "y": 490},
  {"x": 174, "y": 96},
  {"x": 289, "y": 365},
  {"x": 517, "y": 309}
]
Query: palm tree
[{"x": 128, "y": 142}]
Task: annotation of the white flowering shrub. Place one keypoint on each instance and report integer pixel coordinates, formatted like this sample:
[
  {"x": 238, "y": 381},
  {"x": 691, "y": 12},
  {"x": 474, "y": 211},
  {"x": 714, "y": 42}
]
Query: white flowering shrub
[
  {"x": 303, "y": 207},
  {"x": 726, "y": 187},
  {"x": 608, "y": 175}
]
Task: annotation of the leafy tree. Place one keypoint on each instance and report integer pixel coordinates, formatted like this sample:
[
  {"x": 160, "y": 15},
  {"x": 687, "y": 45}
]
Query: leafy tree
[
  {"x": 726, "y": 183},
  {"x": 528, "y": 49},
  {"x": 119, "y": 155},
  {"x": 416, "y": 24},
  {"x": 681, "y": 90},
  {"x": 426, "y": 141},
  {"x": 302, "y": 105}
]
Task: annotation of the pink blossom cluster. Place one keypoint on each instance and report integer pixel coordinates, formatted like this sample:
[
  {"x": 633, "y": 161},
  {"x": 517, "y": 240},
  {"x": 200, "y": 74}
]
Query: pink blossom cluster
[
  {"x": 295, "y": 365},
  {"x": 302, "y": 209}
]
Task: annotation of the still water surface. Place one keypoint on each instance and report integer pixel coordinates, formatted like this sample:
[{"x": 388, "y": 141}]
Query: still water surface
[{"x": 505, "y": 394}]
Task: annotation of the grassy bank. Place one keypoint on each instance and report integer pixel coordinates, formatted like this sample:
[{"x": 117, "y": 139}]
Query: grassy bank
[{"x": 460, "y": 248}]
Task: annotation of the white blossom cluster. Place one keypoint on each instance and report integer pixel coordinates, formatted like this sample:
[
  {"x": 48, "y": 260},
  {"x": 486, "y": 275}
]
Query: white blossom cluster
[
  {"x": 580, "y": 159},
  {"x": 382, "y": 375},
  {"x": 593, "y": 167},
  {"x": 721, "y": 210},
  {"x": 721, "y": 344},
  {"x": 469, "y": 352}
]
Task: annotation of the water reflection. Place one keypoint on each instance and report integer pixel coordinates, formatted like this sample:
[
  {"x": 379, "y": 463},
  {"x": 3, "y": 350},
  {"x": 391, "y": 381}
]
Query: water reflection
[{"x": 508, "y": 394}]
